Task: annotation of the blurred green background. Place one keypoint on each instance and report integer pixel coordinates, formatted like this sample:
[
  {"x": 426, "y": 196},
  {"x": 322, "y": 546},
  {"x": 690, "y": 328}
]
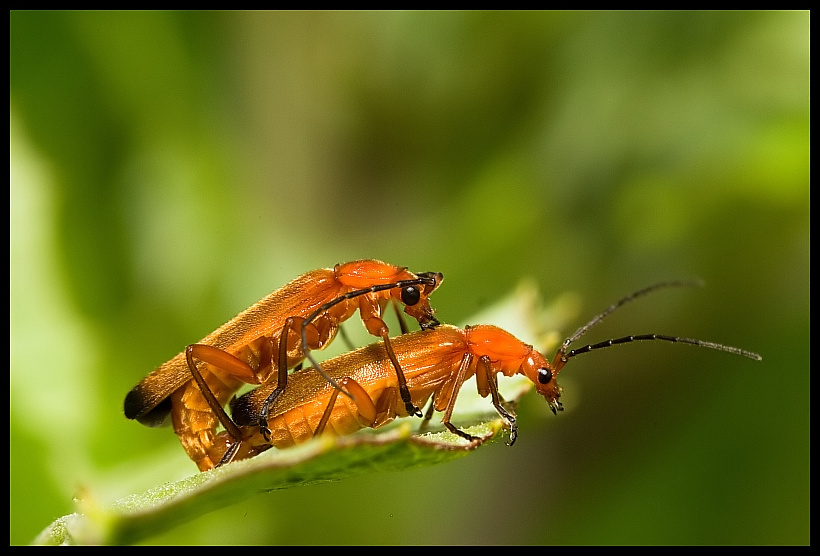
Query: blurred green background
[{"x": 169, "y": 169}]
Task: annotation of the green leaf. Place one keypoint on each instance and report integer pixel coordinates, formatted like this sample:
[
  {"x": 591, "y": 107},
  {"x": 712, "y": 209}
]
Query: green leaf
[{"x": 323, "y": 459}]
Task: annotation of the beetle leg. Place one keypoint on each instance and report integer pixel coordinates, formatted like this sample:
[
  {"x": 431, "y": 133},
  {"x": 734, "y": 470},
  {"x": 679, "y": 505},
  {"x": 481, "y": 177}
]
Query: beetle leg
[
  {"x": 221, "y": 359},
  {"x": 428, "y": 414},
  {"x": 448, "y": 412},
  {"x": 404, "y": 391},
  {"x": 282, "y": 377},
  {"x": 370, "y": 310},
  {"x": 367, "y": 410},
  {"x": 400, "y": 316},
  {"x": 229, "y": 454},
  {"x": 498, "y": 401}
]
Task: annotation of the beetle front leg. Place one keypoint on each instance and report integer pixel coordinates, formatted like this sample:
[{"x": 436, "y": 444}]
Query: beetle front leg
[
  {"x": 498, "y": 401},
  {"x": 370, "y": 310}
]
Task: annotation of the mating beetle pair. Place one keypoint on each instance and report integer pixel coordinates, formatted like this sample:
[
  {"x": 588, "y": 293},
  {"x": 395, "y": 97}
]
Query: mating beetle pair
[{"x": 367, "y": 387}]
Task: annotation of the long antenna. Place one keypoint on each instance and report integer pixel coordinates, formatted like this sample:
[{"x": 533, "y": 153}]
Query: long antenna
[
  {"x": 677, "y": 339},
  {"x": 563, "y": 355}
]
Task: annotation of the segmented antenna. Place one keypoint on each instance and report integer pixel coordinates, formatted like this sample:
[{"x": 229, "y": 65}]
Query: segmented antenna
[
  {"x": 563, "y": 354},
  {"x": 677, "y": 339}
]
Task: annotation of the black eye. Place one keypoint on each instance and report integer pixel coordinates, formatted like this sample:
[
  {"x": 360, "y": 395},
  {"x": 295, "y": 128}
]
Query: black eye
[
  {"x": 410, "y": 295},
  {"x": 544, "y": 375}
]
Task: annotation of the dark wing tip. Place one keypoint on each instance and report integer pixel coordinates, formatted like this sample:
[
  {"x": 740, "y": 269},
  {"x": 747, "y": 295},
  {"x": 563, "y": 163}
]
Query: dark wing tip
[
  {"x": 135, "y": 403},
  {"x": 138, "y": 406}
]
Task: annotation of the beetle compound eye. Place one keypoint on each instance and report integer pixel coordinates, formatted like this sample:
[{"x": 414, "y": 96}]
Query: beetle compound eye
[
  {"x": 410, "y": 295},
  {"x": 544, "y": 375}
]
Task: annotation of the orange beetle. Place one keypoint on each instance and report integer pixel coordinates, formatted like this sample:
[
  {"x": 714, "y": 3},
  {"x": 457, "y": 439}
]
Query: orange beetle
[{"x": 307, "y": 313}]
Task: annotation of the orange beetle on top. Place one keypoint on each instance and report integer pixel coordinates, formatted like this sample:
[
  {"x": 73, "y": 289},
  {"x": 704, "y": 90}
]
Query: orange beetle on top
[{"x": 249, "y": 348}]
